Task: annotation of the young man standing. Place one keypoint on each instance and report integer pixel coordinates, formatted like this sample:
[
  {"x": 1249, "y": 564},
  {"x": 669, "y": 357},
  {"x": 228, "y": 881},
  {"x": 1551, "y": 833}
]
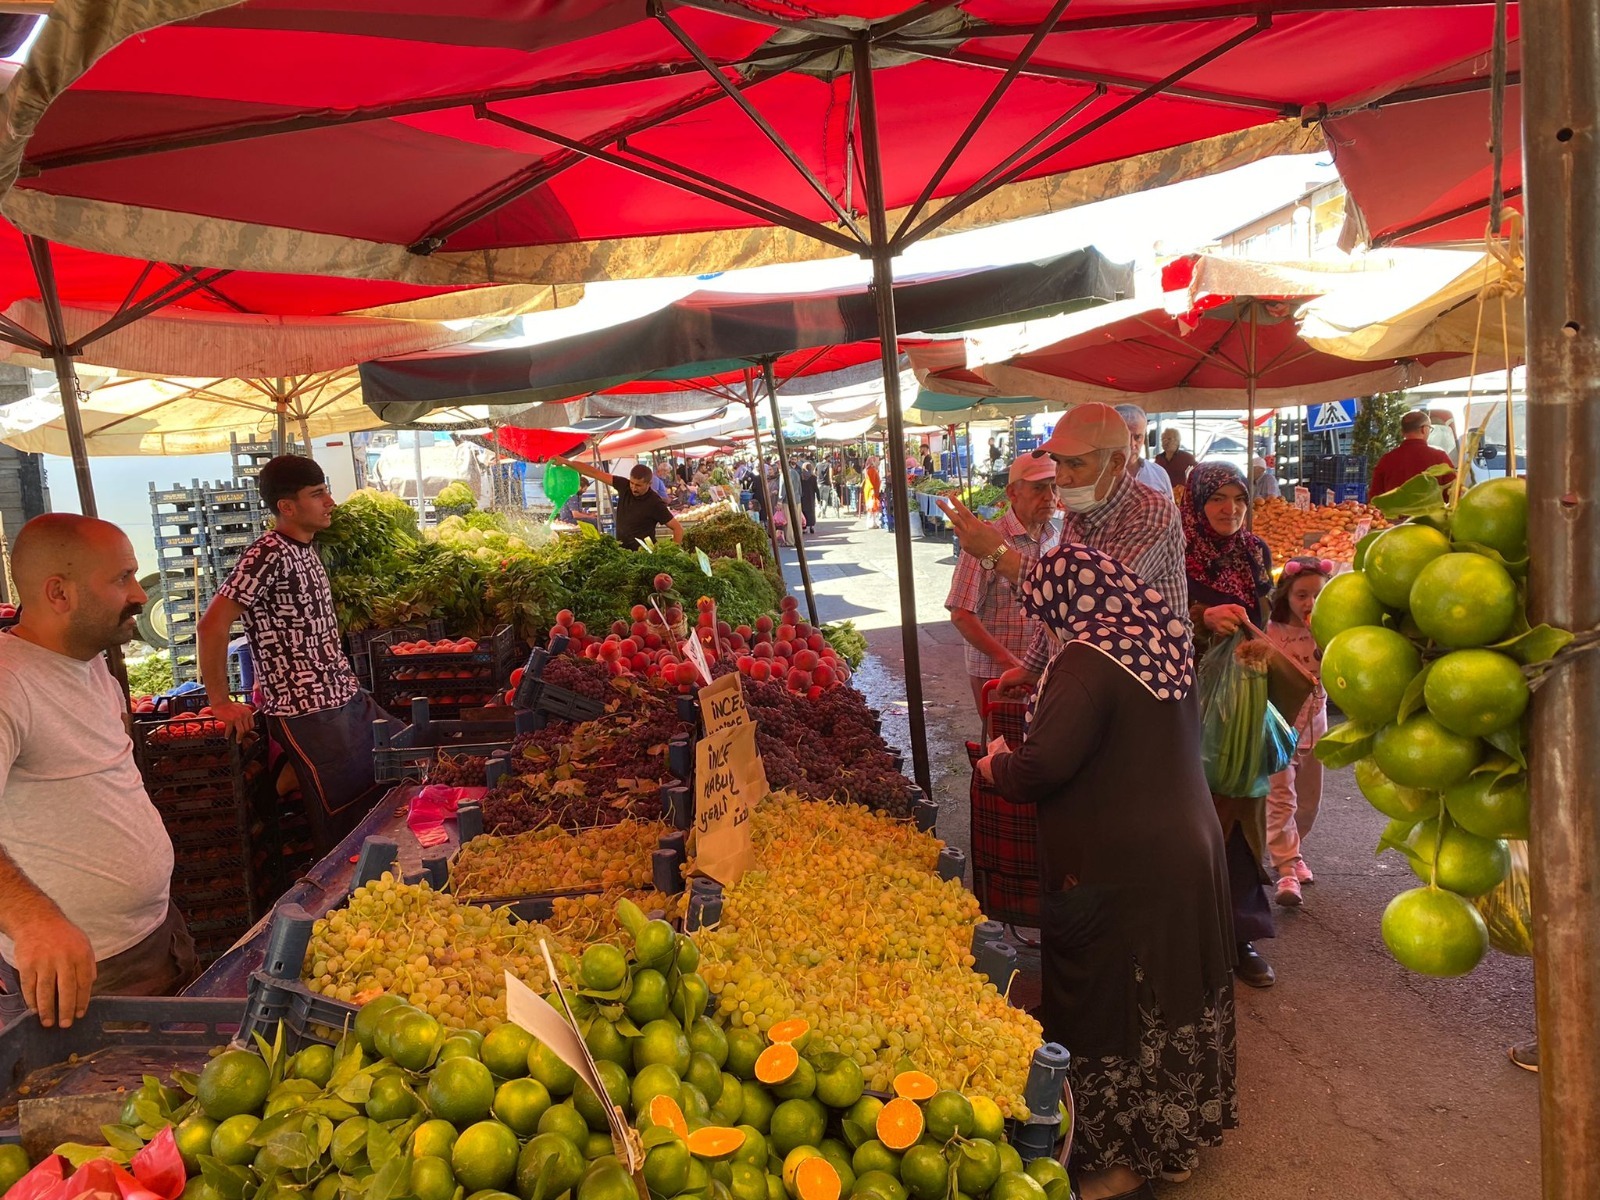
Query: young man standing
[
  {"x": 85, "y": 860},
  {"x": 315, "y": 708},
  {"x": 639, "y": 509}
]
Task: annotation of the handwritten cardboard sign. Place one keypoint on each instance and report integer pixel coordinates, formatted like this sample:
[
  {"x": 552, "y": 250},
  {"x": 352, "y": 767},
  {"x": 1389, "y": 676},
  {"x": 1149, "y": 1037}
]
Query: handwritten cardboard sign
[
  {"x": 1302, "y": 499},
  {"x": 729, "y": 781}
]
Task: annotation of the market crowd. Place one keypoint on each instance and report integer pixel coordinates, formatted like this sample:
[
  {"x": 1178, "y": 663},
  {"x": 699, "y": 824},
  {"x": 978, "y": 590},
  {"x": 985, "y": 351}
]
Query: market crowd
[{"x": 1109, "y": 593}]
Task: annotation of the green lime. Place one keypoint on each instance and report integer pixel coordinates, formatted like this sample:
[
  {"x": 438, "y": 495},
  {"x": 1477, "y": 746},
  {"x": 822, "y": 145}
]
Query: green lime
[
  {"x": 391, "y": 1099},
  {"x": 234, "y": 1082},
  {"x": 230, "y": 1141},
  {"x": 1346, "y": 602},
  {"x": 519, "y": 1103},
  {"x": 661, "y": 1042},
  {"x": 948, "y": 1115},
  {"x": 656, "y": 947},
  {"x": 1490, "y": 807},
  {"x": 1434, "y": 932},
  {"x": 1016, "y": 1185},
  {"x": 461, "y": 1091},
  {"x": 566, "y": 1121},
  {"x": 758, "y": 1105},
  {"x": 1421, "y": 753},
  {"x": 744, "y": 1047},
  {"x": 839, "y": 1080},
  {"x": 1388, "y": 797},
  {"x": 432, "y": 1139},
  {"x": 1476, "y": 692},
  {"x": 485, "y": 1156},
  {"x": 193, "y": 1136},
  {"x": 432, "y": 1179},
  {"x": 648, "y": 1000},
  {"x": 368, "y": 1016},
  {"x": 1494, "y": 514},
  {"x": 1397, "y": 557},
  {"x": 1366, "y": 671},
  {"x": 314, "y": 1063},
  {"x": 549, "y": 1166},
  {"x": 546, "y": 1066},
  {"x": 505, "y": 1051},
  {"x": 603, "y": 968},
  {"x": 1463, "y": 600}
]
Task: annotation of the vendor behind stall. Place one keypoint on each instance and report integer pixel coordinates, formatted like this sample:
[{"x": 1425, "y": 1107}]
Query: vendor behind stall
[
  {"x": 639, "y": 508},
  {"x": 315, "y": 708},
  {"x": 85, "y": 861}
]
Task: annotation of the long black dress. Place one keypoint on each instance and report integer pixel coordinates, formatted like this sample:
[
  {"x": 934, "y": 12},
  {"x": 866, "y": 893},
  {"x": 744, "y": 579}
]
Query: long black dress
[
  {"x": 808, "y": 499},
  {"x": 1138, "y": 943}
]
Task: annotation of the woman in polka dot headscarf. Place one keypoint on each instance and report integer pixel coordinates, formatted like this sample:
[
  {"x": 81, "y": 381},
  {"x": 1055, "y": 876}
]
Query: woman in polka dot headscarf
[{"x": 1137, "y": 940}]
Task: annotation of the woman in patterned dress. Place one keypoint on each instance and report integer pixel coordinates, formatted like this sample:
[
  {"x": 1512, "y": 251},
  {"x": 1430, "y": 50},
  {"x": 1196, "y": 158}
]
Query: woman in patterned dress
[{"x": 1137, "y": 940}]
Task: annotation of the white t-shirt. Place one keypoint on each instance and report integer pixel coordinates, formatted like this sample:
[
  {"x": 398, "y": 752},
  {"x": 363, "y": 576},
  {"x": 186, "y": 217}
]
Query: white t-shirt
[
  {"x": 1154, "y": 476},
  {"x": 74, "y": 815}
]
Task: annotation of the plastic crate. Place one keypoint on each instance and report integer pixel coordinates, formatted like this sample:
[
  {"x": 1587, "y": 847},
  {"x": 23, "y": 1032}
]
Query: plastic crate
[
  {"x": 408, "y": 752},
  {"x": 398, "y": 678},
  {"x": 114, "y": 1045},
  {"x": 1330, "y": 470},
  {"x": 358, "y": 644},
  {"x": 565, "y": 704}
]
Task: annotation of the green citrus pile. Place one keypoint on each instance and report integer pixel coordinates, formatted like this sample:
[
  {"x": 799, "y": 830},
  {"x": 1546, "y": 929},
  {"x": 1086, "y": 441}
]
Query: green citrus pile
[
  {"x": 846, "y": 924},
  {"x": 1426, "y": 648},
  {"x": 408, "y": 1106}
]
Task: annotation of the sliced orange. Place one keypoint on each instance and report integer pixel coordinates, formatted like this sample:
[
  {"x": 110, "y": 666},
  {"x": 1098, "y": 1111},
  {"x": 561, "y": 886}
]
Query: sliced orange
[
  {"x": 900, "y": 1124},
  {"x": 914, "y": 1085},
  {"x": 715, "y": 1141},
  {"x": 664, "y": 1111},
  {"x": 816, "y": 1179},
  {"x": 792, "y": 1032},
  {"x": 777, "y": 1064}
]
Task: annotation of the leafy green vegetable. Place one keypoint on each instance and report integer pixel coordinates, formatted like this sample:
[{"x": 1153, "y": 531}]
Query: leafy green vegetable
[
  {"x": 846, "y": 641},
  {"x": 455, "y": 495},
  {"x": 151, "y": 675}
]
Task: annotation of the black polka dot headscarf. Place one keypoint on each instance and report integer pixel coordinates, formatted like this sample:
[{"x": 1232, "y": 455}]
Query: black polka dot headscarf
[{"x": 1083, "y": 596}]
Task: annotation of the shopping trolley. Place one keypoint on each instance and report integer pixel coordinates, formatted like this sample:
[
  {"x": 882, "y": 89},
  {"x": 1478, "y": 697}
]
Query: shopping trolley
[{"x": 1005, "y": 836}]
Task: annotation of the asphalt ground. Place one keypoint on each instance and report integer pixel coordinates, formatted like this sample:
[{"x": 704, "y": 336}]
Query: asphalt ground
[{"x": 1357, "y": 1080}]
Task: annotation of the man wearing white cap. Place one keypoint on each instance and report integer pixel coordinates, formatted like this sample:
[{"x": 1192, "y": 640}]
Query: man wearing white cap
[
  {"x": 1106, "y": 509},
  {"x": 984, "y": 605}
]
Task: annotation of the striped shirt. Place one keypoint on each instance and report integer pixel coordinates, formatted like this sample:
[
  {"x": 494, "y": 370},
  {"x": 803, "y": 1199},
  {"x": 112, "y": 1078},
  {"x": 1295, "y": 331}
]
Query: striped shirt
[
  {"x": 1142, "y": 530},
  {"x": 994, "y": 599}
]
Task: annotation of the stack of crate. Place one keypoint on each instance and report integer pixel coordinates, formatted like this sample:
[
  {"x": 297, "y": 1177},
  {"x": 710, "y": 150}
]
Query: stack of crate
[
  {"x": 201, "y": 531},
  {"x": 211, "y": 791},
  {"x": 250, "y": 457}
]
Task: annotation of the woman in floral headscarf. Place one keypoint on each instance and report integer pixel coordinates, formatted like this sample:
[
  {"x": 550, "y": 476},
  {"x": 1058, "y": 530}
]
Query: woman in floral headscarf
[
  {"x": 1230, "y": 576},
  {"x": 1136, "y": 942}
]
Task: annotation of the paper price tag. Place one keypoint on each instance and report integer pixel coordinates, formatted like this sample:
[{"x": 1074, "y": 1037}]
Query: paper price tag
[{"x": 526, "y": 1008}]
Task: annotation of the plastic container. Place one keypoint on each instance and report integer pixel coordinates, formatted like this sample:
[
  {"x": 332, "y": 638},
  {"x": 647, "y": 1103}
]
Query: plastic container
[
  {"x": 117, "y": 1042},
  {"x": 406, "y": 753},
  {"x": 1047, "y": 1076},
  {"x": 471, "y": 679}
]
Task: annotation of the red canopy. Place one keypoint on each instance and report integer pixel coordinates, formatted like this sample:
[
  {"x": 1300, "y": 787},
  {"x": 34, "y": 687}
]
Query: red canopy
[
  {"x": 524, "y": 140},
  {"x": 1419, "y": 172}
]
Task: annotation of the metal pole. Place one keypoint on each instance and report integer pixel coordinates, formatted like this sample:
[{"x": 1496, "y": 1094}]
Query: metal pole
[
  {"x": 416, "y": 458},
  {"x": 766, "y": 492},
  {"x": 1561, "y": 145},
  {"x": 795, "y": 516},
  {"x": 66, "y": 378},
  {"x": 1250, "y": 424},
  {"x": 888, "y": 338}
]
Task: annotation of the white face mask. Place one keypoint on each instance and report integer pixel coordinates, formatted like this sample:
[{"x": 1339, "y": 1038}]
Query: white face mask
[{"x": 1083, "y": 499}]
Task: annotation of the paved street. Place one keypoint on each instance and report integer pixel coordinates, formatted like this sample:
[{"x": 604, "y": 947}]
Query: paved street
[{"x": 1357, "y": 1080}]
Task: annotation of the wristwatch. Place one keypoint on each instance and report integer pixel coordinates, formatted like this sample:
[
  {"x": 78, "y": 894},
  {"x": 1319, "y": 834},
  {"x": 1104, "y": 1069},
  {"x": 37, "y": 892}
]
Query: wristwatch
[{"x": 990, "y": 561}]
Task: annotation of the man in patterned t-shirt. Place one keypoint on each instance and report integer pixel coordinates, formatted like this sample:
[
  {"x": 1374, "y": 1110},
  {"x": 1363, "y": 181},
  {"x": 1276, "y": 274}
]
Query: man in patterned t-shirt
[{"x": 315, "y": 709}]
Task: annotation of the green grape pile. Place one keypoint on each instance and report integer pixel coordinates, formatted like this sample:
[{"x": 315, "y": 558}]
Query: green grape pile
[
  {"x": 443, "y": 956},
  {"x": 554, "y": 859},
  {"x": 584, "y": 920},
  {"x": 846, "y": 923}
]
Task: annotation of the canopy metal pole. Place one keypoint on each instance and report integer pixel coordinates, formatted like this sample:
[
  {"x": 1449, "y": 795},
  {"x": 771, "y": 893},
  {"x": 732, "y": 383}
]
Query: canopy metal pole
[
  {"x": 1250, "y": 424},
  {"x": 66, "y": 377},
  {"x": 795, "y": 516},
  {"x": 888, "y": 337},
  {"x": 761, "y": 481},
  {"x": 416, "y": 458},
  {"x": 1561, "y": 115}
]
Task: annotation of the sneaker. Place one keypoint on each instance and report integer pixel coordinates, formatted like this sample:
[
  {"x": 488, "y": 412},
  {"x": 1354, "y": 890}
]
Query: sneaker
[
  {"x": 1288, "y": 893},
  {"x": 1525, "y": 1055},
  {"x": 1303, "y": 872}
]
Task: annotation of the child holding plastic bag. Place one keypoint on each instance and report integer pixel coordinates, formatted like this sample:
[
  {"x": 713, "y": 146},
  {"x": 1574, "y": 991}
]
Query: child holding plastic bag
[{"x": 1297, "y": 790}]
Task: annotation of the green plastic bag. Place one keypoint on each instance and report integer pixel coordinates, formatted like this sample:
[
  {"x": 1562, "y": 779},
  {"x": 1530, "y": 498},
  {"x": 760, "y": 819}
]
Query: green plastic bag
[
  {"x": 561, "y": 484},
  {"x": 1243, "y": 739}
]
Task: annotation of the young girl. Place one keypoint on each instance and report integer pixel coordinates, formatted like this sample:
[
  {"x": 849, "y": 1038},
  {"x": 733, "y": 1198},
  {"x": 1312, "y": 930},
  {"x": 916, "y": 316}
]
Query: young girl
[{"x": 1297, "y": 790}]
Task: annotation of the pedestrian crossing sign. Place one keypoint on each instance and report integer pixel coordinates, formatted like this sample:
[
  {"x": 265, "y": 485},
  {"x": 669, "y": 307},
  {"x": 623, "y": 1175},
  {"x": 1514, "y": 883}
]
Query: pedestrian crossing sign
[{"x": 1341, "y": 414}]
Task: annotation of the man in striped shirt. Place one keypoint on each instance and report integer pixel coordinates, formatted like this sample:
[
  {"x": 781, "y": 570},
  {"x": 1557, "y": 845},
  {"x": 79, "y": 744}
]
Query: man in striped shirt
[{"x": 1104, "y": 508}]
